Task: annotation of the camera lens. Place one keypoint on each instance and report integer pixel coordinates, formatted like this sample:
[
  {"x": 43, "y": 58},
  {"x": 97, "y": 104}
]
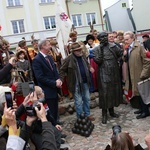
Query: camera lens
[{"x": 116, "y": 129}]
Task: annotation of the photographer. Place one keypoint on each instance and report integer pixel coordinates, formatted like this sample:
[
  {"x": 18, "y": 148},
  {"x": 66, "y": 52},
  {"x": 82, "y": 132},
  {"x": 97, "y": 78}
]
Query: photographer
[
  {"x": 14, "y": 142},
  {"x": 121, "y": 140},
  {"x": 48, "y": 137},
  {"x": 17, "y": 143},
  {"x": 27, "y": 107}
]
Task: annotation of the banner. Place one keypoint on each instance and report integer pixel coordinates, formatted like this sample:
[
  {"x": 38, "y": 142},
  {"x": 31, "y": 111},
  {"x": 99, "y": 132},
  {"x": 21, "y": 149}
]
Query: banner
[{"x": 63, "y": 28}]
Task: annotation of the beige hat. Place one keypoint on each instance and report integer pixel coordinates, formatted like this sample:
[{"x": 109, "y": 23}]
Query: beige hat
[{"x": 76, "y": 46}]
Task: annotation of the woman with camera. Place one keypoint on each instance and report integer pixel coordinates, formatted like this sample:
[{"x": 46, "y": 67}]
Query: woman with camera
[{"x": 123, "y": 141}]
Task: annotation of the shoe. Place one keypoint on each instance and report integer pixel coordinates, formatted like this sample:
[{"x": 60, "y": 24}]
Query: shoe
[
  {"x": 62, "y": 141},
  {"x": 63, "y": 135},
  {"x": 114, "y": 115},
  {"x": 104, "y": 119},
  {"x": 143, "y": 115},
  {"x": 91, "y": 118},
  {"x": 60, "y": 122},
  {"x": 138, "y": 112},
  {"x": 65, "y": 148}
]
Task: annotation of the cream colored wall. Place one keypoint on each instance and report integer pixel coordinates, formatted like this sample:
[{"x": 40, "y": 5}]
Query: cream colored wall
[
  {"x": 33, "y": 12},
  {"x": 140, "y": 14},
  {"x": 46, "y": 11},
  {"x": 91, "y": 6}
]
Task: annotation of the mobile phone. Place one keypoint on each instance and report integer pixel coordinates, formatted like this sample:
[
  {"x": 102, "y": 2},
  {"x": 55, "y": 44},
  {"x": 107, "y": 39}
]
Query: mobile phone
[
  {"x": 27, "y": 88},
  {"x": 9, "y": 100},
  {"x": 31, "y": 87}
]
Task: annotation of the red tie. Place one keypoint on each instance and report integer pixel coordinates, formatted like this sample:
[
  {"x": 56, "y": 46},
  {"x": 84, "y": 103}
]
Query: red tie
[{"x": 47, "y": 59}]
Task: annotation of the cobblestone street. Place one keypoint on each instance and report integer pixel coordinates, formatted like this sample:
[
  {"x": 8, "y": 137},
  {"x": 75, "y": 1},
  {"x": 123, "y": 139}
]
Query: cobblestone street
[{"x": 101, "y": 134}]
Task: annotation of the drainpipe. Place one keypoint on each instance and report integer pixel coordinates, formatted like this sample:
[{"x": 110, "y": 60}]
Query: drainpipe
[{"x": 101, "y": 14}]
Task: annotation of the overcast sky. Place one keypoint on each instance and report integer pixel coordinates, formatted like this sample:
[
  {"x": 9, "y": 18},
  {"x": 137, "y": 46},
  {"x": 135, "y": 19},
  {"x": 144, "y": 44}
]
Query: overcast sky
[{"x": 107, "y": 3}]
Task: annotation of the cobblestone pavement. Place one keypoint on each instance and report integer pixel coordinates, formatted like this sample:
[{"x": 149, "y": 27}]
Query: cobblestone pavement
[{"x": 101, "y": 134}]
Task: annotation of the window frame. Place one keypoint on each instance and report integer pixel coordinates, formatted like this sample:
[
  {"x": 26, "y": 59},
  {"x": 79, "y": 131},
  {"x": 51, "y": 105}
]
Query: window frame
[
  {"x": 13, "y": 1},
  {"x": 77, "y": 21},
  {"x": 91, "y": 18},
  {"x": 79, "y": 1},
  {"x": 46, "y": 2},
  {"x": 18, "y": 26},
  {"x": 50, "y": 22}
]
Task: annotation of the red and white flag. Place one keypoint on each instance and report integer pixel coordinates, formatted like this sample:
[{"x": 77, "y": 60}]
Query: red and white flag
[{"x": 63, "y": 28}]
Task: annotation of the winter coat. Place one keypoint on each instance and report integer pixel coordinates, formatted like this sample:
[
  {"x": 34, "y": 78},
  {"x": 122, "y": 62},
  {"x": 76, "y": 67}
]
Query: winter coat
[
  {"x": 69, "y": 69},
  {"x": 138, "y": 66},
  {"x": 109, "y": 82}
]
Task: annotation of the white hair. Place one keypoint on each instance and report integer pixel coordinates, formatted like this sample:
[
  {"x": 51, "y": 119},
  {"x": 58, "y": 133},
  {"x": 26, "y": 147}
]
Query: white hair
[{"x": 130, "y": 33}]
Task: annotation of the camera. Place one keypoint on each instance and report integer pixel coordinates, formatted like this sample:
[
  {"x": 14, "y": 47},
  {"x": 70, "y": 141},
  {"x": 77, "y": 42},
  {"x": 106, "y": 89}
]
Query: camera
[
  {"x": 116, "y": 129},
  {"x": 30, "y": 109}
]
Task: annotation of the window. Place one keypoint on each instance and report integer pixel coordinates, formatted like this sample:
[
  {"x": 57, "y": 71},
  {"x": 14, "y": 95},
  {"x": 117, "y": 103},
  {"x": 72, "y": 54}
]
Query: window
[
  {"x": 18, "y": 26},
  {"x": 79, "y": 1},
  {"x": 91, "y": 18},
  {"x": 46, "y": 1},
  {"x": 49, "y": 22},
  {"x": 14, "y": 3},
  {"x": 123, "y": 5},
  {"x": 77, "y": 20}
]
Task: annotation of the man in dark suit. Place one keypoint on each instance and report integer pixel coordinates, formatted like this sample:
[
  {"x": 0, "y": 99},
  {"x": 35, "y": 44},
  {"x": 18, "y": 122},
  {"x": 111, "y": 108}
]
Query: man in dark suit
[{"x": 47, "y": 76}]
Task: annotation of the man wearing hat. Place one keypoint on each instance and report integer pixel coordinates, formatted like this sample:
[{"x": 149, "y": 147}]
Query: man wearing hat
[{"x": 76, "y": 68}]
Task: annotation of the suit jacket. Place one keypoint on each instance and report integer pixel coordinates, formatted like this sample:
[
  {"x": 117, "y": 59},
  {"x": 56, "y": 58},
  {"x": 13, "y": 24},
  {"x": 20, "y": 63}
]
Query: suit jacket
[{"x": 46, "y": 77}]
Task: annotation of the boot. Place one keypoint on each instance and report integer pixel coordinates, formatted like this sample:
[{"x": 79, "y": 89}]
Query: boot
[
  {"x": 104, "y": 116},
  {"x": 112, "y": 114}
]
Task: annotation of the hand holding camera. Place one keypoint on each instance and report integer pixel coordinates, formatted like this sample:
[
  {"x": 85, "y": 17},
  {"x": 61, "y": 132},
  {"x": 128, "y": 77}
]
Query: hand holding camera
[
  {"x": 9, "y": 115},
  {"x": 32, "y": 97},
  {"x": 41, "y": 113}
]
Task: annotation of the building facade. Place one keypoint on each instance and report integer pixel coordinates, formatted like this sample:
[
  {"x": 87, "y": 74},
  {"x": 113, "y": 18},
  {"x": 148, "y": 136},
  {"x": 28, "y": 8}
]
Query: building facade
[
  {"x": 140, "y": 13},
  {"x": 23, "y": 18},
  {"x": 118, "y": 17}
]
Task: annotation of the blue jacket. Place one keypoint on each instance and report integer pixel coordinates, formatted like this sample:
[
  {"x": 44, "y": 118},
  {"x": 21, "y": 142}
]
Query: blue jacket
[{"x": 46, "y": 77}]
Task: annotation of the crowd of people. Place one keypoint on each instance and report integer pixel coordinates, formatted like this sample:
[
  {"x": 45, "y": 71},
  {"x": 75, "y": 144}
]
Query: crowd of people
[{"x": 110, "y": 63}]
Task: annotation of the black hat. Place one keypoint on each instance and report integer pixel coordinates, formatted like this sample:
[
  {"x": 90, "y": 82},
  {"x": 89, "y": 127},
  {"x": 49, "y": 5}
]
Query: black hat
[{"x": 90, "y": 36}]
